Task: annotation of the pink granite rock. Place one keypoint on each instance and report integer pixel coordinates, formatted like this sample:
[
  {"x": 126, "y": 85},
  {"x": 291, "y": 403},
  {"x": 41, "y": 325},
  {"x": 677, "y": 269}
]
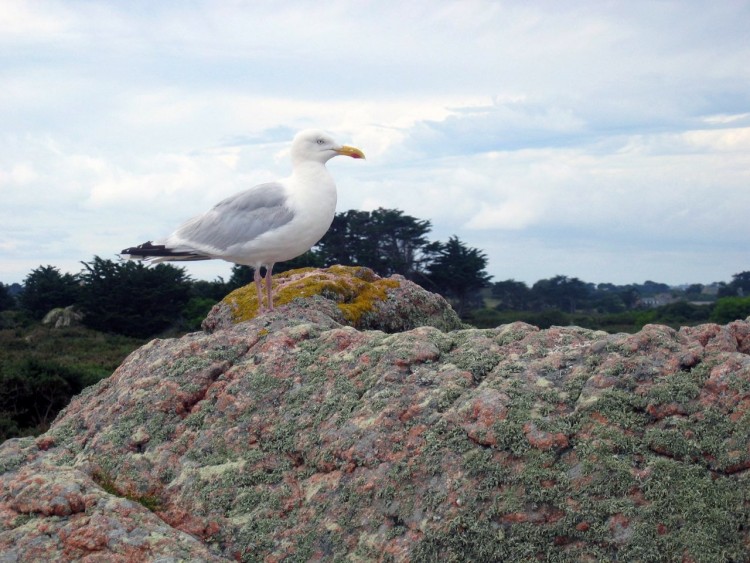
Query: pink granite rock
[{"x": 294, "y": 437}]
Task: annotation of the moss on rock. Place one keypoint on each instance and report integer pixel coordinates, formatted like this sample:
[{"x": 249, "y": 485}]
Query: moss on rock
[
  {"x": 352, "y": 295},
  {"x": 355, "y": 290}
]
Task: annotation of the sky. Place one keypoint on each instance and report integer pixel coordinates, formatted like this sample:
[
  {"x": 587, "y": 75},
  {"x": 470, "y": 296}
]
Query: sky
[{"x": 603, "y": 140}]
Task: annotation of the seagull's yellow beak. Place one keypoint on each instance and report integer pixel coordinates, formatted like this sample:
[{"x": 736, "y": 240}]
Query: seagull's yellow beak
[{"x": 350, "y": 151}]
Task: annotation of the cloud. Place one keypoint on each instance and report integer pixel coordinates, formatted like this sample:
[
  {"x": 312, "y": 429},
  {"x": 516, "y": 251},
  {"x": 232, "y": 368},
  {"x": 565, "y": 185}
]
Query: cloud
[
  {"x": 546, "y": 133},
  {"x": 21, "y": 22}
]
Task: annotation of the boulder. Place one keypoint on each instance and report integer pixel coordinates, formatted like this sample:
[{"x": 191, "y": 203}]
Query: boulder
[
  {"x": 63, "y": 317},
  {"x": 294, "y": 436},
  {"x": 353, "y": 296}
]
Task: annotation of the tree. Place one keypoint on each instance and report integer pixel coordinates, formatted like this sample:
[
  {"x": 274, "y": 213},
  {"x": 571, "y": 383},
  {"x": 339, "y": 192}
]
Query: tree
[
  {"x": 45, "y": 288},
  {"x": 458, "y": 273},
  {"x": 346, "y": 241},
  {"x": 385, "y": 240},
  {"x": 132, "y": 299},
  {"x": 560, "y": 292},
  {"x": 401, "y": 241},
  {"x": 7, "y": 301},
  {"x": 629, "y": 297},
  {"x": 649, "y": 288},
  {"x": 309, "y": 259},
  {"x": 694, "y": 290},
  {"x": 609, "y": 302},
  {"x": 513, "y": 295},
  {"x": 739, "y": 286},
  {"x": 214, "y": 290}
]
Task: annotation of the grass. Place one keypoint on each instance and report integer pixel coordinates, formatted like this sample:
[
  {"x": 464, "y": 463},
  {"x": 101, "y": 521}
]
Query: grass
[
  {"x": 94, "y": 353},
  {"x": 68, "y": 359}
]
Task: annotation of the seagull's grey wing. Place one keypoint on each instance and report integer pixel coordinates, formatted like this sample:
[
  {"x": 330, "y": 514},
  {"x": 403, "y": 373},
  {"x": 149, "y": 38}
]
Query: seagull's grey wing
[{"x": 238, "y": 219}]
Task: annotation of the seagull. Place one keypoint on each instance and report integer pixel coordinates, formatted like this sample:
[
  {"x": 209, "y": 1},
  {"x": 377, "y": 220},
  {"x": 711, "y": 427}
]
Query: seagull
[{"x": 265, "y": 224}]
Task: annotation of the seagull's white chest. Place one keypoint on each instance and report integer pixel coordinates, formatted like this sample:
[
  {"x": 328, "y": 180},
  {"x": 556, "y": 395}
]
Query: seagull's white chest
[{"x": 312, "y": 200}]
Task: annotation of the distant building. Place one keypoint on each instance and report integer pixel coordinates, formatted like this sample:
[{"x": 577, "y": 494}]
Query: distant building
[
  {"x": 657, "y": 300},
  {"x": 712, "y": 289}
]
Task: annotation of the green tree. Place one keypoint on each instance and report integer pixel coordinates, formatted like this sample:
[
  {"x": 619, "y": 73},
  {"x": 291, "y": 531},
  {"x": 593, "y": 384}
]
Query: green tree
[
  {"x": 385, "y": 240},
  {"x": 132, "y": 299},
  {"x": 45, "y": 288},
  {"x": 560, "y": 292},
  {"x": 650, "y": 288},
  {"x": 513, "y": 295},
  {"x": 629, "y": 297},
  {"x": 7, "y": 301},
  {"x": 739, "y": 286},
  {"x": 309, "y": 259},
  {"x": 694, "y": 290},
  {"x": 609, "y": 302},
  {"x": 241, "y": 276},
  {"x": 458, "y": 273},
  {"x": 203, "y": 289}
]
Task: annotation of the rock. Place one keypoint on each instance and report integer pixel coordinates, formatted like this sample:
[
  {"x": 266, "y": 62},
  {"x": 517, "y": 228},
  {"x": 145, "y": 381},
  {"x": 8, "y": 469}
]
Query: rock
[
  {"x": 353, "y": 296},
  {"x": 63, "y": 317},
  {"x": 295, "y": 437}
]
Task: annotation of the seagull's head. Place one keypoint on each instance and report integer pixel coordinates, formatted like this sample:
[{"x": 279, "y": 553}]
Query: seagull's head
[{"x": 315, "y": 145}]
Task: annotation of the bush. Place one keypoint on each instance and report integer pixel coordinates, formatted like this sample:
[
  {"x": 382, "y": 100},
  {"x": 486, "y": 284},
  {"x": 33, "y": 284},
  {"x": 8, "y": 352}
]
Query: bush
[
  {"x": 195, "y": 311},
  {"x": 32, "y": 392},
  {"x": 728, "y": 309},
  {"x": 682, "y": 313}
]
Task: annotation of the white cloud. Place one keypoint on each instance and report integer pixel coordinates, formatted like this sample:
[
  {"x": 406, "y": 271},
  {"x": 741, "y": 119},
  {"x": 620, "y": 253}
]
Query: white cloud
[
  {"x": 511, "y": 214},
  {"x": 20, "y": 21}
]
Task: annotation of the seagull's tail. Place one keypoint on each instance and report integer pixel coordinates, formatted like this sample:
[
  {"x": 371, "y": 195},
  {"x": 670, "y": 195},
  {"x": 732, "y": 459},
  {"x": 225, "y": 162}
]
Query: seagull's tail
[{"x": 159, "y": 253}]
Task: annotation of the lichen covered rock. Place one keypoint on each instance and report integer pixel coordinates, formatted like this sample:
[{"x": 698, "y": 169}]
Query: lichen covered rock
[
  {"x": 293, "y": 437},
  {"x": 354, "y": 296},
  {"x": 63, "y": 317}
]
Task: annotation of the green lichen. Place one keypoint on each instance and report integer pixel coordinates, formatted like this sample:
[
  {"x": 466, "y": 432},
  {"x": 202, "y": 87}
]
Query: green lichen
[
  {"x": 355, "y": 291},
  {"x": 256, "y": 536},
  {"x": 11, "y": 463},
  {"x": 149, "y": 501},
  {"x": 680, "y": 387},
  {"x": 477, "y": 360},
  {"x": 22, "y": 520}
]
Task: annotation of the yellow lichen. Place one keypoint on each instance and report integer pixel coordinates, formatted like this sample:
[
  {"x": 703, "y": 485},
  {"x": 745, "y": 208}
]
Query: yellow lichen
[{"x": 354, "y": 289}]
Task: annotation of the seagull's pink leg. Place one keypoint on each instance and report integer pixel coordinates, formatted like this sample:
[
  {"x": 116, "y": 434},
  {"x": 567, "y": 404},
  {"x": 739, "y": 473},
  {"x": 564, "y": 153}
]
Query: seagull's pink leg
[
  {"x": 258, "y": 288},
  {"x": 268, "y": 286}
]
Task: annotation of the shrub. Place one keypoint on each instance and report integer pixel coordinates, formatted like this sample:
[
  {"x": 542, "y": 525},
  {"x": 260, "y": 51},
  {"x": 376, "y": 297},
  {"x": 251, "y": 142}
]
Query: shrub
[{"x": 728, "y": 309}]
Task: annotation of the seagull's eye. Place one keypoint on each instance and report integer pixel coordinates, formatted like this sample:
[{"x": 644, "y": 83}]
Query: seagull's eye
[{"x": 320, "y": 141}]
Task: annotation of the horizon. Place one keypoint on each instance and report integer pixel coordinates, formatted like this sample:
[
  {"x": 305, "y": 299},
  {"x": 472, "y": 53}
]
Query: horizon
[{"x": 184, "y": 265}]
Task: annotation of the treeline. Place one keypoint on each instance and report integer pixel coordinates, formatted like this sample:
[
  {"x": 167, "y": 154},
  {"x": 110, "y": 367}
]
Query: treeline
[{"x": 562, "y": 301}]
